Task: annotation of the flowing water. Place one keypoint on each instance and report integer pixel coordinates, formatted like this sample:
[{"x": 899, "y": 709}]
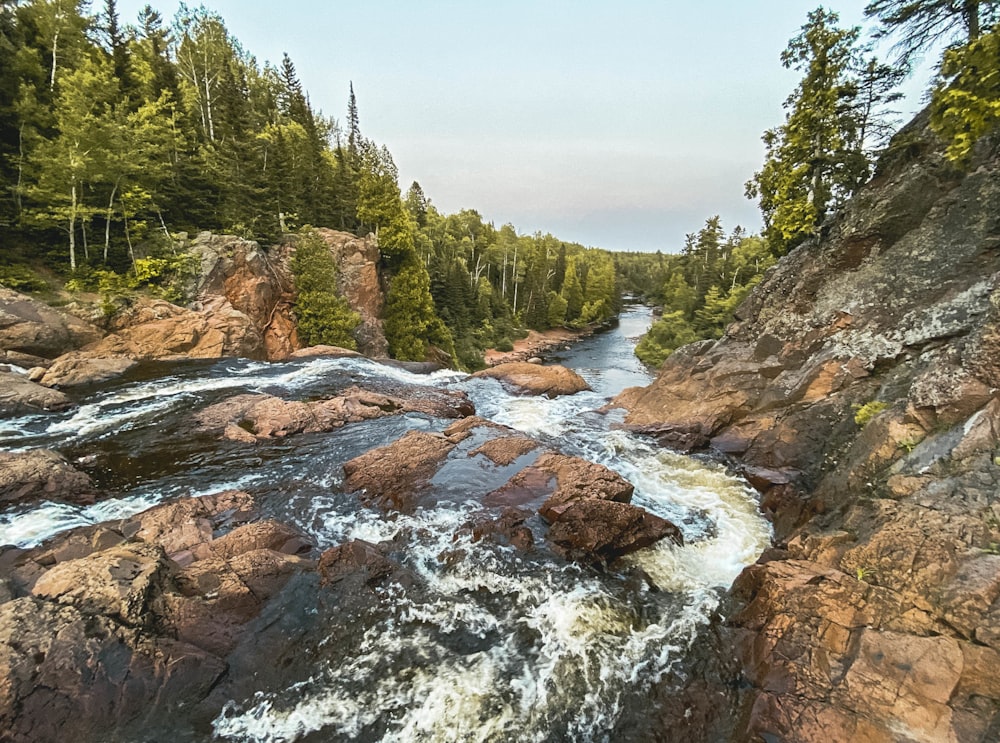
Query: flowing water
[{"x": 483, "y": 643}]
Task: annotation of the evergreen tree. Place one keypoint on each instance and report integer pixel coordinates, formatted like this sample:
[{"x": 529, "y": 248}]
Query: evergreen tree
[
  {"x": 814, "y": 160},
  {"x": 572, "y": 291},
  {"x": 966, "y": 100},
  {"x": 416, "y": 204},
  {"x": 323, "y": 316},
  {"x": 411, "y": 324},
  {"x": 920, "y": 24},
  {"x": 115, "y": 43}
]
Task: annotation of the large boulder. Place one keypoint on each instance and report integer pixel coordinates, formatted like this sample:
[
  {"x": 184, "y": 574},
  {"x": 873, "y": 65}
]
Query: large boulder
[
  {"x": 252, "y": 417},
  {"x": 78, "y": 368},
  {"x": 603, "y": 531},
  {"x": 537, "y": 379},
  {"x": 560, "y": 479},
  {"x": 34, "y": 329},
  {"x": 121, "y": 625},
  {"x": 19, "y": 395},
  {"x": 40, "y": 473},
  {"x": 392, "y": 477}
]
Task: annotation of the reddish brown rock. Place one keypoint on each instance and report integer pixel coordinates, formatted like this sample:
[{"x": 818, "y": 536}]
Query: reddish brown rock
[
  {"x": 602, "y": 530},
  {"x": 577, "y": 479},
  {"x": 392, "y": 476},
  {"x": 505, "y": 450},
  {"x": 20, "y": 396},
  {"x": 62, "y": 669},
  {"x": 102, "y": 630},
  {"x": 356, "y": 558},
  {"x": 333, "y": 352},
  {"x": 32, "y": 328},
  {"x": 358, "y": 282},
  {"x": 537, "y": 380},
  {"x": 81, "y": 367},
  {"x": 40, "y": 473},
  {"x": 505, "y": 528},
  {"x": 251, "y": 417}
]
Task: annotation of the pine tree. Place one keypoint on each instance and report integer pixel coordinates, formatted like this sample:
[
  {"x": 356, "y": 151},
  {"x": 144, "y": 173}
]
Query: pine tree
[
  {"x": 922, "y": 23},
  {"x": 323, "y": 317},
  {"x": 572, "y": 291},
  {"x": 814, "y": 160},
  {"x": 115, "y": 43}
]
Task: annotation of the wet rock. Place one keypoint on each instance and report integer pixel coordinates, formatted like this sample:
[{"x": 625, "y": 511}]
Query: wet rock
[
  {"x": 120, "y": 582},
  {"x": 537, "y": 380},
  {"x": 114, "y": 626},
  {"x": 505, "y": 450},
  {"x": 41, "y": 473},
  {"x": 333, "y": 352},
  {"x": 391, "y": 477},
  {"x": 358, "y": 559},
  {"x": 261, "y": 535},
  {"x": 64, "y": 669},
  {"x": 505, "y": 528},
  {"x": 19, "y": 396},
  {"x": 573, "y": 479},
  {"x": 80, "y": 367},
  {"x": 188, "y": 524},
  {"x": 601, "y": 530},
  {"x": 251, "y": 417},
  {"x": 32, "y": 328}
]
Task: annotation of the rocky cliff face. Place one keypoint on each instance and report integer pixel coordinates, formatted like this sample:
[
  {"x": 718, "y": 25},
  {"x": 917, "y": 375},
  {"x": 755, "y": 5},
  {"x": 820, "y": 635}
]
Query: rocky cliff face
[
  {"x": 876, "y": 616},
  {"x": 243, "y": 305}
]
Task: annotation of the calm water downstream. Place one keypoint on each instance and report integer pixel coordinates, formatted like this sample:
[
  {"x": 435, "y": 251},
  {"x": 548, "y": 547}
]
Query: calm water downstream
[{"x": 485, "y": 644}]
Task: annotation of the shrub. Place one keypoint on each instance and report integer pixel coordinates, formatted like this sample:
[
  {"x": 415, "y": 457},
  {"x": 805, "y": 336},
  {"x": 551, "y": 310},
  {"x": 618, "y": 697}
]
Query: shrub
[
  {"x": 21, "y": 279},
  {"x": 864, "y": 413},
  {"x": 505, "y": 345}
]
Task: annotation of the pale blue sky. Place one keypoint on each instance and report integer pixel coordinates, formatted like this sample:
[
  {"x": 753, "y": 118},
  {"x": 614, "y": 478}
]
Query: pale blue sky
[{"x": 622, "y": 126}]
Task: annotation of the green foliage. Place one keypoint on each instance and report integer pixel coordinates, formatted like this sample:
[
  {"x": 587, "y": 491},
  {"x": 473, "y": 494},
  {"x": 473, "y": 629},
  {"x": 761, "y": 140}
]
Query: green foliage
[
  {"x": 966, "y": 100},
  {"x": 702, "y": 287},
  {"x": 864, "y": 413},
  {"x": 919, "y": 24},
  {"x": 21, "y": 278},
  {"x": 665, "y": 336},
  {"x": 411, "y": 323},
  {"x": 819, "y": 156},
  {"x": 557, "y": 309},
  {"x": 323, "y": 316}
]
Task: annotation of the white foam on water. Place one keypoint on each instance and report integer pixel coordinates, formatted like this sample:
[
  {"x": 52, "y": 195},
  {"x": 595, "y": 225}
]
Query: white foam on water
[
  {"x": 46, "y": 519},
  {"x": 492, "y": 645},
  {"x": 563, "y": 653}
]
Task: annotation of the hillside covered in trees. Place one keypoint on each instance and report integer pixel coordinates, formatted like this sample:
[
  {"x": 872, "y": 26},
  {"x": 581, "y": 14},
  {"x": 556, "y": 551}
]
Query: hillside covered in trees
[
  {"x": 838, "y": 122},
  {"x": 116, "y": 136}
]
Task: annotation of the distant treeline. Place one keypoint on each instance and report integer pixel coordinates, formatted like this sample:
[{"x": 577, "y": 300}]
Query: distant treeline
[{"x": 114, "y": 135}]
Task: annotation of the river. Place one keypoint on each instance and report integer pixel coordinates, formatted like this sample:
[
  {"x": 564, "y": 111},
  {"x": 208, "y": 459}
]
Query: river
[{"x": 494, "y": 645}]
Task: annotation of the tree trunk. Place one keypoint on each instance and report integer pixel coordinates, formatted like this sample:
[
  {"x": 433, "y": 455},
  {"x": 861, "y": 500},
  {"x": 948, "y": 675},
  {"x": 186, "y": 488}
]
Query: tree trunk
[
  {"x": 72, "y": 229},
  {"x": 107, "y": 222},
  {"x": 971, "y": 13},
  {"x": 128, "y": 239},
  {"x": 55, "y": 56}
]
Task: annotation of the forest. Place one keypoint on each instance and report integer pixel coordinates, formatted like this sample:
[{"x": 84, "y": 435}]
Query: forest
[{"x": 116, "y": 136}]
